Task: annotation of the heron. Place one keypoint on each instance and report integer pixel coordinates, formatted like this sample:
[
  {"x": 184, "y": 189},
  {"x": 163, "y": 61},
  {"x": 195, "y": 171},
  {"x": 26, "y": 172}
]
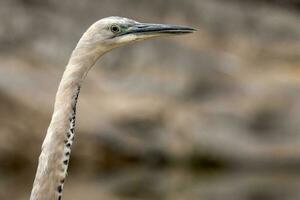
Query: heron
[{"x": 101, "y": 37}]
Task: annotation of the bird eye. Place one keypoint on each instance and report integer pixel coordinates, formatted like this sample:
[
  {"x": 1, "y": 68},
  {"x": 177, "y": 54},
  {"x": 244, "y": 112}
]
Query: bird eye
[{"x": 115, "y": 29}]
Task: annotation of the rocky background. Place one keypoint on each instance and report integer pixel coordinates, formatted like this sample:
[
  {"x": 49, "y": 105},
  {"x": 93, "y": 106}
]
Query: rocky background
[{"x": 213, "y": 115}]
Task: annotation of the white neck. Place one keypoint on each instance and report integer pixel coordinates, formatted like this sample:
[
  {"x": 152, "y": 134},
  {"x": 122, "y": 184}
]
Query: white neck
[{"x": 56, "y": 148}]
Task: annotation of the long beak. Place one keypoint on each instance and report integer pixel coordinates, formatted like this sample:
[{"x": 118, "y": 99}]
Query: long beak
[{"x": 159, "y": 29}]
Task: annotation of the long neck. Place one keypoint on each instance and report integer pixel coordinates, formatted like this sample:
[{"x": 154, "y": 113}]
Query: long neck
[{"x": 56, "y": 148}]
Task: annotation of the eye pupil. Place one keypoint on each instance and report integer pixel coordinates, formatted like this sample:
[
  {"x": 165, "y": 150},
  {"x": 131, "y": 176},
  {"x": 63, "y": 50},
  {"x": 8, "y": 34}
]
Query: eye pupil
[{"x": 115, "y": 29}]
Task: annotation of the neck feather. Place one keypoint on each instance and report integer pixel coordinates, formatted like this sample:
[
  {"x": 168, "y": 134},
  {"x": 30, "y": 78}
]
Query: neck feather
[{"x": 56, "y": 148}]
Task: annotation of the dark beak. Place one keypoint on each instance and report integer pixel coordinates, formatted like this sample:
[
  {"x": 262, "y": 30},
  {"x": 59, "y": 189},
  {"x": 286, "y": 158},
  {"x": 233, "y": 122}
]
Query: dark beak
[{"x": 159, "y": 29}]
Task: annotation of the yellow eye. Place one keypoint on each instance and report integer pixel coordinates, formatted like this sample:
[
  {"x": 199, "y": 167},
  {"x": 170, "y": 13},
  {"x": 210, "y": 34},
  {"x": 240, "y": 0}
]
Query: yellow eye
[{"x": 115, "y": 28}]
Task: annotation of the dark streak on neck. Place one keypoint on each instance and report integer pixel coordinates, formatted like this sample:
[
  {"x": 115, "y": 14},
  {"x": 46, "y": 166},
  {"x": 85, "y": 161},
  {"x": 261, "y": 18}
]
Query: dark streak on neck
[{"x": 69, "y": 140}]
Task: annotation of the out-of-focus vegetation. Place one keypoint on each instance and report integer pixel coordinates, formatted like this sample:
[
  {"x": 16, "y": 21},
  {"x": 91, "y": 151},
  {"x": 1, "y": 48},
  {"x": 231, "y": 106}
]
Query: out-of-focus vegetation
[{"x": 213, "y": 115}]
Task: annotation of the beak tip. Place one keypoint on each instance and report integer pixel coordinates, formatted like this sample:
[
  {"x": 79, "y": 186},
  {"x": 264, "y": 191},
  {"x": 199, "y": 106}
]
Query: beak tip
[
  {"x": 188, "y": 29},
  {"x": 193, "y": 29}
]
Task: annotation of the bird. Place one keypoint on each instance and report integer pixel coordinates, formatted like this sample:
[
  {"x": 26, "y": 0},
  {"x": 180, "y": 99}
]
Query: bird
[{"x": 101, "y": 37}]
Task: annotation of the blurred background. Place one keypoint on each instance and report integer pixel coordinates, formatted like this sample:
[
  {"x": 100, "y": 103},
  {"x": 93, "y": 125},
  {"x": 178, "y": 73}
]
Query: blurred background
[{"x": 211, "y": 115}]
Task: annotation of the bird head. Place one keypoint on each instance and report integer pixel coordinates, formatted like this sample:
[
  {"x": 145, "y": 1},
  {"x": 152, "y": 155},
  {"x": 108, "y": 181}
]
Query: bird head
[{"x": 112, "y": 32}]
